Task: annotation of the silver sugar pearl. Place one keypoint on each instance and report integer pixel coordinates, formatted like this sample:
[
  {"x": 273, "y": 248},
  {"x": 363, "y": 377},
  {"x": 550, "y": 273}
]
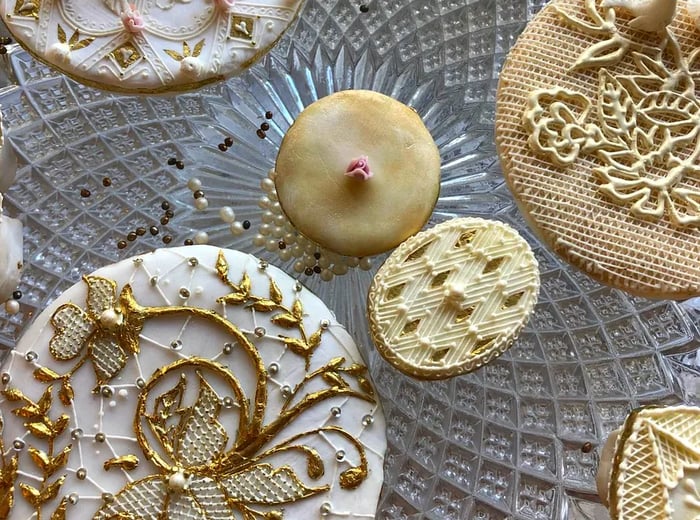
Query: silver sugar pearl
[
  {"x": 298, "y": 287},
  {"x": 228, "y": 348},
  {"x": 106, "y": 392},
  {"x": 138, "y": 261},
  {"x": 193, "y": 262},
  {"x": 325, "y": 324},
  {"x": 5, "y": 378},
  {"x": 367, "y": 420},
  {"x": 73, "y": 498},
  {"x": 154, "y": 281},
  {"x": 273, "y": 369},
  {"x": 76, "y": 434},
  {"x": 259, "y": 332},
  {"x": 286, "y": 391},
  {"x": 18, "y": 444},
  {"x": 107, "y": 498},
  {"x": 100, "y": 437},
  {"x": 81, "y": 474},
  {"x": 325, "y": 508},
  {"x": 184, "y": 293},
  {"x": 263, "y": 265},
  {"x": 31, "y": 356},
  {"x": 228, "y": 402},
  {"x": 176, "y": 345},
  {"x": 140, "y": 383},
  {"x": 340, "y": 455},
  {"x": 336, "y": 411}
]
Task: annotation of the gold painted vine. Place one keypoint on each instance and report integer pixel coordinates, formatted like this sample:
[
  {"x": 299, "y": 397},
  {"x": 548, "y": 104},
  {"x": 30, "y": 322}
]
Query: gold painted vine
[
  {"x": 188, "y": 473},
  {"x": 643, "y": 128}
]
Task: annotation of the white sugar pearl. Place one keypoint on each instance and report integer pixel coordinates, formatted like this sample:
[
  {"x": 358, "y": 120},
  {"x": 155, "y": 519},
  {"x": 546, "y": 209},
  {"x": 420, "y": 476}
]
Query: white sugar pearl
[
  {"x": 201, "y": 238},
  {"x": 290, "y": 238},
  {"x": 201, "y": 203},
  {"x": 237, "y": 229},
  {"x": 272, "y": 245},
  {"x": 267, "y": 185},
  {"x": 280, "y": 220},
  {"x": 309, "y": 261},
  {"x": 12, "y": 307},
  {"x": 265, "y": 229},
  {"x": 285, "y": 254},
  {"x": 268, "y": 217},
  {"x": 278, "y": 232},
  {"x": 353, "y": 261},
  {"x": 324, "y": 262},
  {"x": 366, "y": 264},
  {"x": 299, "y": 267},
  {"x": 340, "y": 269},
  {"x": 297, "y": 251},
  {"x": 259, "y": 240},
  {"x": 227, "y": 214},
  {"x": 264, "y": 202},
  {"x": 326, "y": 275},
  {"x": 194, "y": 184}
]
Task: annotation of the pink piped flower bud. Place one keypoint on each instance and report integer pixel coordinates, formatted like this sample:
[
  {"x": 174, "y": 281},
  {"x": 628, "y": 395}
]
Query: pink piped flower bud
[
  {"x": 225, "y": 5},
  {"x": 132, "y": 19},
  {"x": 359, "y": 169}
]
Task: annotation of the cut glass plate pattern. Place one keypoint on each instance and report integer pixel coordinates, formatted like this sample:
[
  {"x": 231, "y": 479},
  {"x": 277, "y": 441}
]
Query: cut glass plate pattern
[{"x": 502, "y": 443}]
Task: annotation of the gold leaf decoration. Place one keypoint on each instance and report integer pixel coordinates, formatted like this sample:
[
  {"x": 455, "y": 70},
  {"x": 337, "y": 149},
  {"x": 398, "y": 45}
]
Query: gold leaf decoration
[
  {"x": 275, "y": 293},
  {"x": 39, "y": 458},
  {"x": 46, "y": 375},
  {"x": 30, "y": 494},
  {"x": 125, "y": 462}
]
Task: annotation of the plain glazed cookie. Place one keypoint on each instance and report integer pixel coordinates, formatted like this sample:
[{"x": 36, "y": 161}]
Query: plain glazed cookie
[
  {"x": 148, "y": 46},
  {"x": 189, "y": 384},
  {"x": 597, "y": 131},
  {"x": 453, "y": 298},
  {"x": 650, "y": 468},
  {"x": 358, "y": 173}
]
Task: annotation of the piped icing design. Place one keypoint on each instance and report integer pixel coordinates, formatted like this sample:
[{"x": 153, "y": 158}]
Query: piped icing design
[
  {"x": 656, "y": 469},
  {"x": 191, "y": 383},
  {"x": 453, "y": 298},
  {"x": 597, "y": 131},
  {"x": 129, "y": 40}
]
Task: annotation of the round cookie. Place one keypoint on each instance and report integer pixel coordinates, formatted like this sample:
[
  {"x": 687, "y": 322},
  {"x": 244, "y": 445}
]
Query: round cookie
[
  {"x": 453, "y": 297},
  {"x": 596, "y": 127},
  {"x": 650, "y": 467},
  {"x": 148, "y": 46},
  {"x": 189, "y": 383},
  {"x": 358, "y": 173}
]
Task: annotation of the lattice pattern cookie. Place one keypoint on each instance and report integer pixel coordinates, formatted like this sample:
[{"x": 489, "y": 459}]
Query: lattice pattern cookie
[
  {"x": 148, "y": 46},
  {"x": 597, "y": 131},
  {"x": 452, "y": 298},
  {"x": 655, "y": 469}
]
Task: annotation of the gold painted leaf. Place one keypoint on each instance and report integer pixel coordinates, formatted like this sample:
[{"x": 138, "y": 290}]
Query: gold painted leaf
[
  {"x": 222, "y": 267},
  {"x": 274, "y": 515},
  {"x": 60, "y": 460},
  {"x": 40, "y": 430},
  {"x": 61, "y": 424},
  {"x": 7, "y": 502},
  {"x": 298, "y": 310},
  {"x": 30, "y": 494},
  {"x": 335, "y": 363},
  {"x": 314, "y": 464},
  {"x": 74, "y": 38},
  {"x": 315, "y": 339},
  {"x": 126, "y": 462},
  {"x": 46, "y": 400},
  {"x": 40, "y": 458},
  {"x": 264, "y": 306},
  {"x": 365, "y": 385},
  {"x": 334, "y": 380},
  {"x": 186, "y": 51},
  {"x": 296, "y": 345},
  {"x": 46, "y": 375},
  {"x": 352, "y": 478},
  {"x": 285, "y": 320},
  {"x": 82, "y": 44},
  {"x": 14, "y": 395},
  {"x": 275, "y": 293},
  {"x": 51, "y": 491},
  {"x": 174, "y": 55},
  {"x": 198, "y": 48},
  {"x": 60, "y": 513},
  {"x": 245, "y": 285},
  {"x": 233, "y": 299},
  {"x": 62, "y": 38},
  {"x": 356, "y": 369},
  {"x": 66, "y": 393},
  {"x": 28, "y": 412}
]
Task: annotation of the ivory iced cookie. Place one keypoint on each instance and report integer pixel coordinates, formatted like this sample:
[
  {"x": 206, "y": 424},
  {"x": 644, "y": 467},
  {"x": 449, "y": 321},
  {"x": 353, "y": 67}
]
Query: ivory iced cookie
[
  {"x": 650, "y": 468},
  {"x": 597, "y": 129},
  {"x": 190, "y": 383},
  {"x": 11, "y": 254},
  {"x": 358, "y": 173},
  {"x": 148, "y": 46},
  {"x": 453, "y": 298}
]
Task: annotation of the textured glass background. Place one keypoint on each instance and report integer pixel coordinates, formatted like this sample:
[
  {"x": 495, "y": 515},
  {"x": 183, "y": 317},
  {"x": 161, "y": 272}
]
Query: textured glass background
[{"x": 504, "y": 442}]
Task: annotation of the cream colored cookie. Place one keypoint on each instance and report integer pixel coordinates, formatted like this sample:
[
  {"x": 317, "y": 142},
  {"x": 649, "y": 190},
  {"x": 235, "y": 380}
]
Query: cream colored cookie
[
  {"x": 651, "y": 467},
  {"x": 597, "y": 130},
  {"x": 148, "y": 46},
  {"x": 453, "y": 298},
  {"x": 358, "y": 173}
]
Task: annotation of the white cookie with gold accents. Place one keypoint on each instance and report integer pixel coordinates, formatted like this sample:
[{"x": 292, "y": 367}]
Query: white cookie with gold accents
[
  {"x": 190, "y": 383},
  {"x": 148, "y": 46},
  {"x": 453, "y": 298}
]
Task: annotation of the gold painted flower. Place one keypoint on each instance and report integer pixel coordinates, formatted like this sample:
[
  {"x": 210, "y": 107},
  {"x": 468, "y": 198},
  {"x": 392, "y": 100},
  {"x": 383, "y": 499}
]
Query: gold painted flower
[
  {"x": 106, "y": 332},
  {"x": 201, "y": 475}
]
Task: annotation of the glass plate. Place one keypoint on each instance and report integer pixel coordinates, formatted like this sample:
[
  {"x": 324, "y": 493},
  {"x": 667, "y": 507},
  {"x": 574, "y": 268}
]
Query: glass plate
[{"x": 505, "y": 442}]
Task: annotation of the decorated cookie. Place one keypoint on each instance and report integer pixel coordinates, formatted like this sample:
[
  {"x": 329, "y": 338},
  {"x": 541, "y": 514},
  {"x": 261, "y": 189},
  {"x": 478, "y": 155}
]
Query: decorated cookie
[
  {"x": 8, "y": 161},
  {"x": 358, "y": 173},
  {"x": 453, "y": 298},
  {"x": 11, "y": 254},
  {"x": 148, "y": 46},
  {"x": 597, "y": 129},
  {"x": 190, "y": 383},
  {"x": 651, "y": 467}
]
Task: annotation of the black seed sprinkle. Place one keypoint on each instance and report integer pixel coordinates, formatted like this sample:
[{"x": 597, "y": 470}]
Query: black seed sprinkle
[
  {"x": 154, "y": 230},
  {"x": 246, "y": 224},
  {"x": 17, "y": 295}
]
